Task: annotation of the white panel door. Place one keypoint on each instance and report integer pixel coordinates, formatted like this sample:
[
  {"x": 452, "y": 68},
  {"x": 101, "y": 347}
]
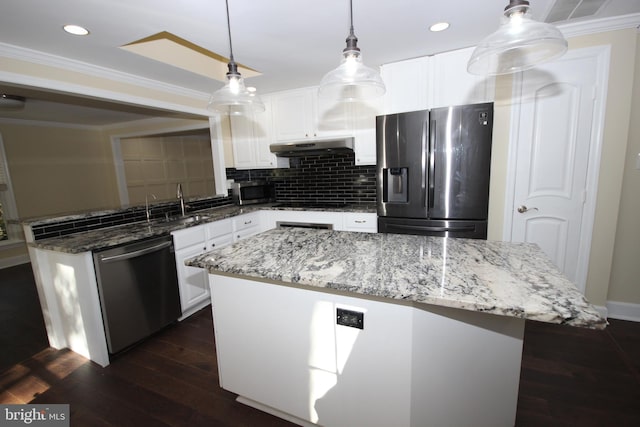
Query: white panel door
[{"x": 556, "y": 132}]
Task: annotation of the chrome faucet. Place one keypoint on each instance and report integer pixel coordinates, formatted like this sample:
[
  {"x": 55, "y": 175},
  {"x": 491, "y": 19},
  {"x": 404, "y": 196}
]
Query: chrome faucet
[
  {"x": 146, "y": 205},
  {"x": 181, "y": 198}
]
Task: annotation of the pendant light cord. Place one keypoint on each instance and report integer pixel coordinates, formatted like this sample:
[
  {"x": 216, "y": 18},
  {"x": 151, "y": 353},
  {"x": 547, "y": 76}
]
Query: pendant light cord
[
  {"x": 352, "y": 40},
  {"x": 351, "y": 17},
  {"x": 233, "y": 68}
]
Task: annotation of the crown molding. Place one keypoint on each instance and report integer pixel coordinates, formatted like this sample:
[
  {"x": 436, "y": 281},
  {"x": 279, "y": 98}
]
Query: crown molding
[
  {"x": 45, "y": 59},
  {"x": 575, "y": 29}
]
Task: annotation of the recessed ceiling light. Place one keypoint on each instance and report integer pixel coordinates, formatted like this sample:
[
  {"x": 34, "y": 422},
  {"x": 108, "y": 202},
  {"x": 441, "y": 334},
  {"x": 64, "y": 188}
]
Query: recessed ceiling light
[
  {"x": 76, "y": 30},
  {"x": 439, "y": 26}
]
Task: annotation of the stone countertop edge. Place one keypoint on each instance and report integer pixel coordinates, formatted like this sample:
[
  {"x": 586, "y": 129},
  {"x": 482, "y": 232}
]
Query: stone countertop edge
[
  {"x": 502, "y": 278},
  {"x": 121, "y": 234}
]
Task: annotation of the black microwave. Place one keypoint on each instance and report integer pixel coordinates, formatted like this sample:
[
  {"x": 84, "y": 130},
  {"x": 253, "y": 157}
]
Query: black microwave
[{"x": 251, "y": 192}]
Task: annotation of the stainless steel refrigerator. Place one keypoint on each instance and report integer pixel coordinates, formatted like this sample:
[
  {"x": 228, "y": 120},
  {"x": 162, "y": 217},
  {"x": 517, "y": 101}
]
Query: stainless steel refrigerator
[{"x": 433, "y": 171}]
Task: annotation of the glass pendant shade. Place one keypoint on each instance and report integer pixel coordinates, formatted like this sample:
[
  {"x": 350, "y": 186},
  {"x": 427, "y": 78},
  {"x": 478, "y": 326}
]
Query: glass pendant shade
[
  {"x": 352, "y": 80},
  {"x": 234, "y": 98},
  {"x": 520, "y": 43}
]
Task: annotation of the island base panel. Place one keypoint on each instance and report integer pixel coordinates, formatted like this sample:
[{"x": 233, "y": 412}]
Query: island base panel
[{"x": 281, "y": 347}]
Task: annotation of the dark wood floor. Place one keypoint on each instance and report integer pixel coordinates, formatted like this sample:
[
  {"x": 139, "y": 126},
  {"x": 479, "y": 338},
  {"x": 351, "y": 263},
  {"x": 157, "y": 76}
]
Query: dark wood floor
[{"x": 570, "y": 377}]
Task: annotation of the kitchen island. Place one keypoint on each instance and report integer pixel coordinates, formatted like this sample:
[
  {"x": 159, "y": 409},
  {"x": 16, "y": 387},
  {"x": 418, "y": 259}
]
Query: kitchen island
[{"x": 342, "y": 329}]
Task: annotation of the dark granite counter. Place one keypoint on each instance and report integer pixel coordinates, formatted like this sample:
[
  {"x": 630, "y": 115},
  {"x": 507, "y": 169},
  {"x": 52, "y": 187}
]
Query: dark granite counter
[{"x": 117, "y": 235}]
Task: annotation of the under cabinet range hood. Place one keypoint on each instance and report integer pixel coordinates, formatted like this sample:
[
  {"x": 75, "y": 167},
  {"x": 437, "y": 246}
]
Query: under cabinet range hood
[{"x": 316, "y": 147}]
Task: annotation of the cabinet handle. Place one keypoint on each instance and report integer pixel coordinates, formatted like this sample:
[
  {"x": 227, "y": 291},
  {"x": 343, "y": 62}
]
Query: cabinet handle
[
  {"x": 306, "y": 135},
  {"x": 247, "y": 222},
  {"x": 360, "y": 221},
  {"x": 238, "y": 236},
  {"x": 213, "y": 245}
]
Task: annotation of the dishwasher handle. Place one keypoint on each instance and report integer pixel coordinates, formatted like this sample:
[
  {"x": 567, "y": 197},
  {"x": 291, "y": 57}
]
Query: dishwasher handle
[{"x": 140, "y": 252}]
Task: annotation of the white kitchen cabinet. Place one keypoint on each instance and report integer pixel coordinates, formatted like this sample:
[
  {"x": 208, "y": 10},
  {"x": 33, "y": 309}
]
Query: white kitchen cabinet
[
  {"x": 407, "y": 85},
  {"x": 451, "y": 84},
  {"x": 192, "y": 281},
  {"x": 363, "y": 116},
  {"x": 190, "y": 242},
  {"x": 364, "y": 222},
  {"x": 299, "y": 114},
  {"x": 247, "y": 225},
  {"x": 219, "y": 234},
  {"x": 250, "y": 138},
  {"x": 434, "y": 81}
]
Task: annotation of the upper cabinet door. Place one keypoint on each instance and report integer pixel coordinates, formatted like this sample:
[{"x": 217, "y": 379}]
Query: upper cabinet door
[
  {"x": 434, "y": 81},
  {"x": 299, "y": 114},
  {"x": 251, "y": 136},
  {"x": 407, "y": 85},
  {"x": 451, "y": 83},
  {"x": 363, "y": 115},
  {"x": 293, "y": 113}
]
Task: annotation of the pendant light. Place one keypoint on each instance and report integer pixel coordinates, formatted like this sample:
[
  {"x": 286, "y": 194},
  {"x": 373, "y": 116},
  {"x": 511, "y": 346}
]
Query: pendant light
[
  {"x": 351, "y": 80},
  {"x": 234, "y": 98},
  {"x": 519, "y": 43}
]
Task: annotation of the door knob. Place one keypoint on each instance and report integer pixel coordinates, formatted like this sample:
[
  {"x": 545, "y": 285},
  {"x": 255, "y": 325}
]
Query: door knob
[{"x": 523, "y": 209}]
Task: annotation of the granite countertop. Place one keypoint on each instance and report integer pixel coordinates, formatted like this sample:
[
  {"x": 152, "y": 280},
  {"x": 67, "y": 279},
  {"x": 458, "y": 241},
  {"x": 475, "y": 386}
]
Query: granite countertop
[
  {"x": 508, "y": 279},
  {"x": 113, "y": 236}
]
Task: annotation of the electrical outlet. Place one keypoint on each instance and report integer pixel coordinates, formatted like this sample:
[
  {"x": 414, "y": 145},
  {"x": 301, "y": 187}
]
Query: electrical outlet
[{"x": 353, "y": 319}]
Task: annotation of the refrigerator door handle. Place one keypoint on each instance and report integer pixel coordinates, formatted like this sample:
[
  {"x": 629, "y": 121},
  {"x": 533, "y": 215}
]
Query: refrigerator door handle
[
  {"x": 424, "y": 159},
  {"x": 432, "y": 163}
]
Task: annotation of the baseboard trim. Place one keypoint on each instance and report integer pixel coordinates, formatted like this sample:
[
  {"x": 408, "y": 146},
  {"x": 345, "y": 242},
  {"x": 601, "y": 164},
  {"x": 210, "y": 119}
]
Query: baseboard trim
[
  {"x": 13, "y": 261},
  {"x": 276, "y": 413},
  {"x": 623, "y": 311}
]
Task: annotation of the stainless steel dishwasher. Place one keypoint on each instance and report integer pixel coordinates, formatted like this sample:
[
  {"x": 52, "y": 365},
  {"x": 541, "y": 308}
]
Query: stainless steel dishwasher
[{"x": 138, "y": 288}]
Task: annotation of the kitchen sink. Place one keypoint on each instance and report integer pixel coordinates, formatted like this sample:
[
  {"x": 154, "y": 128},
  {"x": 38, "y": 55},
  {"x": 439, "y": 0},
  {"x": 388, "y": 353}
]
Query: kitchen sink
[{"x": 189, "y": 219}]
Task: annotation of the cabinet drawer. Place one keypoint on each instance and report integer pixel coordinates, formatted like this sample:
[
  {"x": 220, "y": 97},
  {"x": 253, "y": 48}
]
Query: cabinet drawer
[
  {"x": 218, "y": 228},
  {"x": 361, "y": 222},
  {"x": 246, "y": 232},
  {"x": 189, "y": 237},
  {"x": 245, "y": 221},
  {"x": 220, "y": 241}
]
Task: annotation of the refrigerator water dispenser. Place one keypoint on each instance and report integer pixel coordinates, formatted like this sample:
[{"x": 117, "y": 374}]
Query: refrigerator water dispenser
[{"x": 396, "y": 185}]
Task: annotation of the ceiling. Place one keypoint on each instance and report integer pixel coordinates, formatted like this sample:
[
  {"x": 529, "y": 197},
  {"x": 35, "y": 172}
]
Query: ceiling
[{"x": 292, "y": 43}]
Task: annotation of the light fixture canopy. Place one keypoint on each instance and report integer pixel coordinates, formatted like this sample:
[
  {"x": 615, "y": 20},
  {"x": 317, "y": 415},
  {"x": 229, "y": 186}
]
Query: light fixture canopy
[
  {"x": 234, "y": 98},
  {"x": 520, "y": 43},
  {"x": 351, "y": 80}
]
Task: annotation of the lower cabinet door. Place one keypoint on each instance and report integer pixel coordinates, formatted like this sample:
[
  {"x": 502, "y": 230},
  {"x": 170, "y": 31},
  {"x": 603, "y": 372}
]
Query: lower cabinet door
[{"x": 193, "y": 282}]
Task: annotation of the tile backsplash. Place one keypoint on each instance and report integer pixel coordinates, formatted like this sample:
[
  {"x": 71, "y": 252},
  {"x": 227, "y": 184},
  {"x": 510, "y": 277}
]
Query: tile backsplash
[
  {"x": 95, "y": 220},
  {"x": 327, "y": 178}
]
